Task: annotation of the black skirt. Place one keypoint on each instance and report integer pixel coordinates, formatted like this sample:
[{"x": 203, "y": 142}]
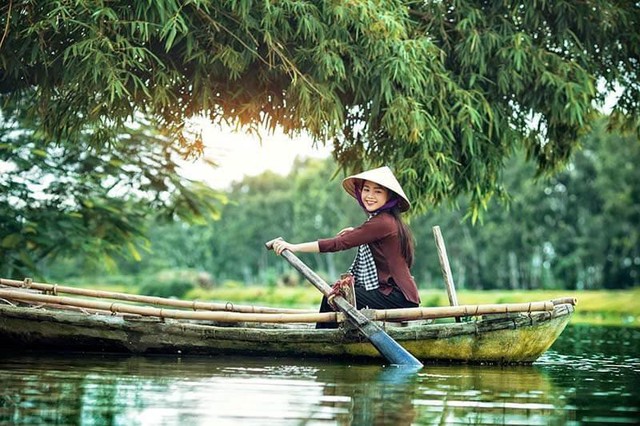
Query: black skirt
[{"x": 372, "y": 299}]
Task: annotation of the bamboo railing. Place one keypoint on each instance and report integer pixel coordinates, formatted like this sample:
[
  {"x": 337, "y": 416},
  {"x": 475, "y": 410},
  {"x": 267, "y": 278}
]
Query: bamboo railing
[
  {"x": 122, "y": 308},
  {"x": 55, "y": 289},
  {"x": 23, "y": 295}
]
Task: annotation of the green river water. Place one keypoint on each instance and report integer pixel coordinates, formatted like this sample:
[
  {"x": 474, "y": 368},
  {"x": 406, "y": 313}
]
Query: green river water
[{"x": 590, "y": 376}]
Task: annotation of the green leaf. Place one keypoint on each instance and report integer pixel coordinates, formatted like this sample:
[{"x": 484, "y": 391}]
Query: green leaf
[
  {"x": 11, "y": 241},
  {"x": 134, "y": 252}
]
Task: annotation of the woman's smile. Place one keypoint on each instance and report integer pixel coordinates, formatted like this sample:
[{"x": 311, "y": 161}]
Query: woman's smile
[{"x": 374, "y": 196}]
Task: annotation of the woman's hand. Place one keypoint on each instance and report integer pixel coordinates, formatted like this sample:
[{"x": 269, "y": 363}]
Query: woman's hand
[
  {"x": 281, "y": 245},
  {"x": 344, "y": 231}
]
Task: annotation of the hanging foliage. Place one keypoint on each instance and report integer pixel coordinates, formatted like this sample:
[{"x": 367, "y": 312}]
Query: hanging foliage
[{"x": 443, "y": 91}]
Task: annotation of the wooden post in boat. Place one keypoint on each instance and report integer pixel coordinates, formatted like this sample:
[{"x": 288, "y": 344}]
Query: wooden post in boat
[{"x": 446, "y": 269}]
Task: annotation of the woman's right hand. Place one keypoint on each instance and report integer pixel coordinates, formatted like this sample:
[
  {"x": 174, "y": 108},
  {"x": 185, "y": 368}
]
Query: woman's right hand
[
  {"x": 281, "y": 245},
  {"x": 344, "y": 231}
]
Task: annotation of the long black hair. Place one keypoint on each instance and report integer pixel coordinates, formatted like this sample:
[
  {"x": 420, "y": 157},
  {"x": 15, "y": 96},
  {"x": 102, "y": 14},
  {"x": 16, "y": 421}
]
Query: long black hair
[{"x": 405, "y": 234}]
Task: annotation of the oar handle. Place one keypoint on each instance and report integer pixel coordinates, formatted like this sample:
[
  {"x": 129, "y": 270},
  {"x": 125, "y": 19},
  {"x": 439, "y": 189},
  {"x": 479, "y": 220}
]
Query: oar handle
[
  {"x": 308, "y": 273},
  {"x": 269, "y": 244}
]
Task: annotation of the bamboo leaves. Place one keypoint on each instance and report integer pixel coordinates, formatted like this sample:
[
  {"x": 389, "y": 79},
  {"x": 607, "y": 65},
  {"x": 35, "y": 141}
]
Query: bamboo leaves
[{"x": 460, "y": 80}]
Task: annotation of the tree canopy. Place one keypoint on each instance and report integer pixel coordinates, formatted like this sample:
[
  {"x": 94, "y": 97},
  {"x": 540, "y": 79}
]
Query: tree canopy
[{"x": 442, "y": 91}]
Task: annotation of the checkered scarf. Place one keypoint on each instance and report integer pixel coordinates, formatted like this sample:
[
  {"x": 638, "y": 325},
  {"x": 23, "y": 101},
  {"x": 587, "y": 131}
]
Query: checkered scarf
[{"x": 364, "y": 269}]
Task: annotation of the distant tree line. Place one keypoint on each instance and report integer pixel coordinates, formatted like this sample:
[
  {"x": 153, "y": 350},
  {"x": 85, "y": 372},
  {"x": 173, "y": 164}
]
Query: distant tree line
[{"x": 577, "y": 230}]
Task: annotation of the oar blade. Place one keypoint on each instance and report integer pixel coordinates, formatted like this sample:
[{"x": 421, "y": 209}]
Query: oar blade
[{"x": 392, "y": 350}]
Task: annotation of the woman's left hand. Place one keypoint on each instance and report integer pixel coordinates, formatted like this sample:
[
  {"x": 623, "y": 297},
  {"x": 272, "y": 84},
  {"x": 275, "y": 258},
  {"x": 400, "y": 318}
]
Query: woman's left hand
[{"x": 344, "y": 231}]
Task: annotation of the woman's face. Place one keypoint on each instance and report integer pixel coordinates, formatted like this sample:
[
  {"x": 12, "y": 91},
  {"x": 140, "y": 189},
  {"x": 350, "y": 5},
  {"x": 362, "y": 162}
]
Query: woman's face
[{"x": 373, "y": 195}]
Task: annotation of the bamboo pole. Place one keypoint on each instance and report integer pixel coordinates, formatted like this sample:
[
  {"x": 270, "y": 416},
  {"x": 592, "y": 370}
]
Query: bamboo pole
[
  {"x": 460, "y": 311},
  {"x": 54, "y": 289},
  {"x": 445, "y": 267},
  {"x": 565, "y": 300},
  {"x": 378, "y": 315},
  {"x": 119, "y": 308}
]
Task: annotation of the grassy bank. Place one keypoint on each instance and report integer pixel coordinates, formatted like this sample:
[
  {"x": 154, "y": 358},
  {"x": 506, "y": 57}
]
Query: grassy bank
[{"x": 594, "y": 307}]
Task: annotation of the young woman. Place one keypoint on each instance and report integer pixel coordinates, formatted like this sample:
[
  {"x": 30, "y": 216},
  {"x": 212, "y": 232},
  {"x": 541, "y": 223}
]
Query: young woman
[{"x": 385, "y": 244}]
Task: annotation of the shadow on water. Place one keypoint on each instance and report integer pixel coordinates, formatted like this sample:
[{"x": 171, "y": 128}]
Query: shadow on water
[{"x": 589, "y": 376}]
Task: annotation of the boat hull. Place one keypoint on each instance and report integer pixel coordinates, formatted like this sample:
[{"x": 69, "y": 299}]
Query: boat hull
[{"x": 514, "y": 338}]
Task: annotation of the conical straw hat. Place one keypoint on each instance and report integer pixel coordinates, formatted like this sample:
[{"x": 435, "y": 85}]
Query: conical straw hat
[{"x": 382, "y": 176}]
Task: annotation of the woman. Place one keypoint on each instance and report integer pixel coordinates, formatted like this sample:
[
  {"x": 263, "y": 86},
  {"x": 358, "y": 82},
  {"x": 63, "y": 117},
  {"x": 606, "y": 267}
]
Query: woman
[{"x": 385, "y": 244}]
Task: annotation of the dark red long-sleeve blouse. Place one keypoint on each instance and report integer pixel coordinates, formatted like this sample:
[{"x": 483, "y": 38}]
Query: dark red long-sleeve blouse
[{"x": 381, "y": 234}]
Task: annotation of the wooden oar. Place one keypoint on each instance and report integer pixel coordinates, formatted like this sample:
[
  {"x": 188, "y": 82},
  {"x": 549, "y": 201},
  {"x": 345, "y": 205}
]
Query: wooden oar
[{"x": 387, "y": 347}]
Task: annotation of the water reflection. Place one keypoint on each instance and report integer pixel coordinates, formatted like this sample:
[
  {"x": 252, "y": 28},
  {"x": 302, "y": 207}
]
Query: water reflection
[
  {"x": 589, "y": 376},
  {"x": 366, "y": 395},
  {"x": 135, "y": 390},
  {"x": 598, "y": 369}
]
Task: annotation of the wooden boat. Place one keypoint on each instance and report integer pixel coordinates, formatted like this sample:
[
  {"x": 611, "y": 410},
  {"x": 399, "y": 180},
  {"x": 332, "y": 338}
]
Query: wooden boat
[{"x": 36, "y": 316}]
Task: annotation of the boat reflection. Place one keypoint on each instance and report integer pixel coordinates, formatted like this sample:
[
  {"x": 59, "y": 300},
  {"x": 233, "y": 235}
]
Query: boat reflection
[
  {"x": 488, "y": 395},
  {"x": 441, "y": 395},
  {"x": 58, "y": 389}
]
